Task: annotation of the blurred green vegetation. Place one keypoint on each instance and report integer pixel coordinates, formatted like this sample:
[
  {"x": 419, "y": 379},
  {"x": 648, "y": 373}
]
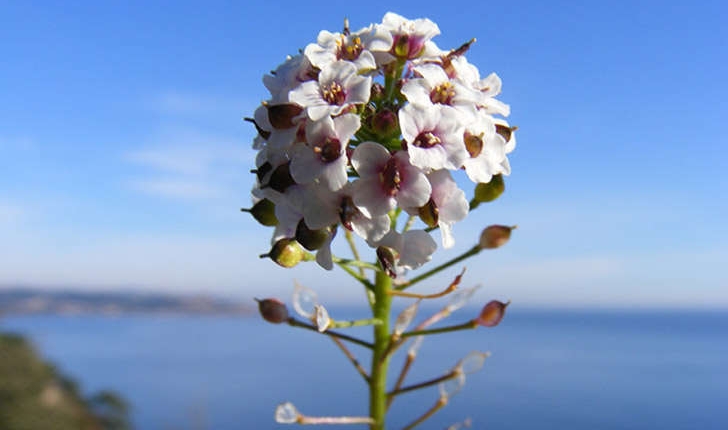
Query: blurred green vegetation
[{"x": 34, "y": 395}]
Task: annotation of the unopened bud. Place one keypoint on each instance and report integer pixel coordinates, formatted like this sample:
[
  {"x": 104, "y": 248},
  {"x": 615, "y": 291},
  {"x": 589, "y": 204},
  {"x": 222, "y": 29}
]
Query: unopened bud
[
  {"x": 429, "y": 214},
  {"x": 495, "y": 236},
  {"x": 388, "y": 259},
  {"x": 286, "y": 252},
  {"x": 264, "y": 212},
  {"x": 492, "y": 313},
  {"x": 311, "y": 239},
  {"x": 273, "y": 310},
  {"x": 487, "y": 192},
  {"x": 281, "y": 178},
  {"x": 281, "y": 116},
  {"x": 385, "y": 123}
]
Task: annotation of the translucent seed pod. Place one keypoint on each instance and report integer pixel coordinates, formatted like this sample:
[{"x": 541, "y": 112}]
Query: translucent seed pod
[
  {"x": 286, "y": 413},
  {"x": 461, "y": 297},
  {"x": 304, "y": 301},
  {"x": 404, "y": 319},
  {"x": 322, "y": 318},
  {"x": 415, "y": 347},
  {"x": 452, "y": 386},
  {"x": 473, "y": 362}
]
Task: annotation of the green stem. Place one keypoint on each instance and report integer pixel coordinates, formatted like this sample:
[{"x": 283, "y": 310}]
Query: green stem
[
  {"x": 355, "y": 263},
  {"x": 356, "y": 276},
  {"x": 465, "y": 326},
  {"x": 467, "y": 254},
  {"x": 354, "y": 251},
  {"x": 425, "y": 384},
  {"x": 355, "y": 323},
  {"x": 380, "y": 360}
]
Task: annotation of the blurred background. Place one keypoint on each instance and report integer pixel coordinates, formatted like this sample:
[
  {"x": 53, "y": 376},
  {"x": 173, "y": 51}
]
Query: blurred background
[{"x": 126, "y": 265}]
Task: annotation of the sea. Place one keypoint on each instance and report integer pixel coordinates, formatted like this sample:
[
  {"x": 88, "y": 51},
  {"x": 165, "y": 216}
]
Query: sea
[{"x": 549, "y": 369}]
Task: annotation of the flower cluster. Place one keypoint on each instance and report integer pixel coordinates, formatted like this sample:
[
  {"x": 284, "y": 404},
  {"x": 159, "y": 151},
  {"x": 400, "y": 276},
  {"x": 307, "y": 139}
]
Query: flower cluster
[{"x": 362, "y": 124}]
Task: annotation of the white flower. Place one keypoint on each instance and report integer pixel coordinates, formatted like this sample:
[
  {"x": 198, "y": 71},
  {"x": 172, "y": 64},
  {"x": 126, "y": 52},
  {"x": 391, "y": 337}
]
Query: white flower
[
  {"x": 386, "y": 180},
  {"x": 287, "y": 76},
  {"x": 448, "y": 203},
  {"x": 291, "y": 221},
  {"x": 435, "y": 87},
  {"x": 409, "y": 36},
  {"x": 339, "y": 86},
  {"x": 323, "y": 156},
  {"x": 415, "y": 247},
  {"x": 356, "y": 47},
  {"x": 434, "y": 136},
  {"x": 322, "y": 208}
]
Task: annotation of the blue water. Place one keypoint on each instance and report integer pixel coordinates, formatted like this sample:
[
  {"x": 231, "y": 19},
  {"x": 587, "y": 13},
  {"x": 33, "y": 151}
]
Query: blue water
[{"x": 549, "y": 370}]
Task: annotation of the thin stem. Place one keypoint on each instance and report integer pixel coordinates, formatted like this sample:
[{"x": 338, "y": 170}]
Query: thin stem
[
  {"x": 354, "y": 250},
  {"x": 441, "y": 402},
  {"x": 355, "y": 323},
  {"x": 467, "y": 254},
  {"x": 450, "y": 288},
  {"x": 295, "y": 323},
  {"x": 465, "y": 326},
  {"x": 380, "y": 359},
  {"x": 364, "y": 281},
  {"x": 351, "y": 358},
  {"x": 355, "y": 263},
  {"x": 446, "y": 377}
]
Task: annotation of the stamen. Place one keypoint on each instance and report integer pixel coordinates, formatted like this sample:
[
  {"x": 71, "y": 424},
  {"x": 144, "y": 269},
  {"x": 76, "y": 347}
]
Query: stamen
[
  {"x": 334, "y": 94},
  {"x": 426, "y": 139},
  {"x": 443, "y": 93}
]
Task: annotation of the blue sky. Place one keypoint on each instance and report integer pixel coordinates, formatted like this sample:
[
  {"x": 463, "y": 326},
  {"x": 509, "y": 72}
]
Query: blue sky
[{"x": 124, "y": 160}]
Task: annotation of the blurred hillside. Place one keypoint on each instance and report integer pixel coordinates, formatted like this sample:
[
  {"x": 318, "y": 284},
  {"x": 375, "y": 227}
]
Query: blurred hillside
[
  {"x": 36, "y": 396},
  {"x": 25, "y": 301}
]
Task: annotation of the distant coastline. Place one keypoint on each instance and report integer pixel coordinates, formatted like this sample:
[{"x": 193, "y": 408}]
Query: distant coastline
[{"x": 30, "y": 301}]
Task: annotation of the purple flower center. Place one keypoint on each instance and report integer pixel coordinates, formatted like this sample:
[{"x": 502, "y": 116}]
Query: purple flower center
[
  {"x": 390, "y": 177},
  {"x": 329, "y": 150},
  {"x": 349, "y": 51},
  {"x": 426, "y": 139},
  {"x": 334, "y": 94}
]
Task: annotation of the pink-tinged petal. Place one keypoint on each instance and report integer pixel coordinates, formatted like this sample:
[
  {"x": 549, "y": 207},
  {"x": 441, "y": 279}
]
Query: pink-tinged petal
[
  {"x": 305, "y": 166},
  {"x": 319, "y": 130},
  {"x": 346, "y": 126},
  {"x": 320, "y": 111},
  {"x": 320, "y": 209},
  {"x": 306, "y": 94},
  {"x": 495, "y": 107},
  {"x": 417, "y": 92},
  {"x": 417, "y": 249},
  {"x": 376, "y": 38},
  {"x": 490, "y": 85},
  {"x": 338, "y": 71},
  {"x": 414, "y": 189},
  {"x": 428, "y": 158},
  {"x": 368, "y": 159},
  {"x": 433, "y": 74},
  {"x": 358, "y": 89},
  {"x": 371, "y": 229},
  {"x": 369, "y": 198},
  {"x": 323, "y": 256},
  {"x": 366, "y": 62},
  {"x": 333, "y": 175}
]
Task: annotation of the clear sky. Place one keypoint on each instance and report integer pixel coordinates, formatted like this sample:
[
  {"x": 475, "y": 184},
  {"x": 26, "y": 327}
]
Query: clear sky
[{"x": 124, "y": 160}]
